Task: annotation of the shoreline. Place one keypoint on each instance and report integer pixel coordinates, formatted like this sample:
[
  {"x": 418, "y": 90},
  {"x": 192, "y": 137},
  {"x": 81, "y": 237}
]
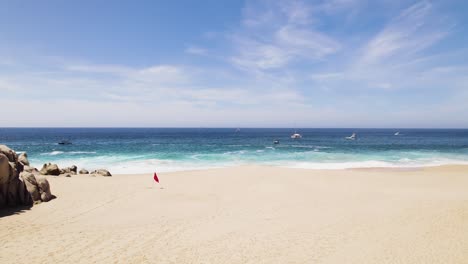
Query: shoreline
[{"x": 253, "y": 165}]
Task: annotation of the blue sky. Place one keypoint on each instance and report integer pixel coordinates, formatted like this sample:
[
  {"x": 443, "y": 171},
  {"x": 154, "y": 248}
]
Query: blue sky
[{"x": 337, "y": 63}]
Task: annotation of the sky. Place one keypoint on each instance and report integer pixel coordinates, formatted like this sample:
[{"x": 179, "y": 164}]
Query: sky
[{"x": 336, "y": 63}]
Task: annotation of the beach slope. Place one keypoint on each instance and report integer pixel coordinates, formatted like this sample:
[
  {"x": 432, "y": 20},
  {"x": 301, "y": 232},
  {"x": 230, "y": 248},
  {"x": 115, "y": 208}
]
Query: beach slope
[{"x": 247, "y": 215}]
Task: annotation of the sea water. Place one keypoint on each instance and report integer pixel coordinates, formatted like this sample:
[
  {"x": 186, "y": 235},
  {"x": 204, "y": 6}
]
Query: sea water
[{"x": 144, "y": 150}]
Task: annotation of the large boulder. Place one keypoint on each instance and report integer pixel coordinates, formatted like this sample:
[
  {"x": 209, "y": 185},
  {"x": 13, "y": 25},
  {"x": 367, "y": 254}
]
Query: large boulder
[
  {"x": 11, "y": 155},
  {"x": 44, "y": 189},
  {"x": 101, "y": 172},
  {"x": 31, "y": 170},
  {"x": 50, "y": 169},
  {"x": 4, "y": 169},
  {"x": 70, "y": 170},
  {"x": 23, "y": 159},
  {"x": 84, "y": 171},
  {"x": 31, "y": 185},
  {"x": 13, "y": 191},
  {"x": 38, "y": 187},
  {"x": 4, "y": 178}
]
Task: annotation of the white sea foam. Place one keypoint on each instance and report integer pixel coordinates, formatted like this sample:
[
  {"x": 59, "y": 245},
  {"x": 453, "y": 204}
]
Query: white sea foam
[
  {"x": 317, "y": 160},
  {"x": 53, "y": 153},
  {"x": 57, "y": 152}
]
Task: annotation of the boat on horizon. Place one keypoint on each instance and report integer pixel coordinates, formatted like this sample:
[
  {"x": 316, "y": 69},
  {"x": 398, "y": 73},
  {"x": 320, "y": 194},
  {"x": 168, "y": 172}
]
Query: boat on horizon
[
  {"x": 64, "y": 142},
  {"x": 397, "y": 133},
  {"x": 296, "y": 135},
  {"x": 352, "y": 137}
]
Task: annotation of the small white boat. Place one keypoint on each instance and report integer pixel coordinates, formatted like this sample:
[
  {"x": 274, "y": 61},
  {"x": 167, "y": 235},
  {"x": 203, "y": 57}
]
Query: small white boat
[
  {"x": 352, "y": 137},
  {"x": 397, "y": 133},
  {"x": 237, "y": 130},
  {"x": 296, "y": 136},
  {"x": 276, "y": 142}
]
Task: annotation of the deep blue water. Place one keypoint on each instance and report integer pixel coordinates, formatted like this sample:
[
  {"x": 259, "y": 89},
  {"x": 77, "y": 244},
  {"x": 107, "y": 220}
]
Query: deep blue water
[{"x": 135, "y": 150}]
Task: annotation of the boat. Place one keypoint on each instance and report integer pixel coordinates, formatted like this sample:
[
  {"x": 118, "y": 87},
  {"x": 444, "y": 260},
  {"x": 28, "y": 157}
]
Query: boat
[
  {"x": 397, "y": 133},
  {"x": 296, "y": 135},
  {"x": 276, "y": 142},
  {"x": 64, "y": 142},
  {"x": 352, "y": 137},
  {"x": 237, "y": 130}
]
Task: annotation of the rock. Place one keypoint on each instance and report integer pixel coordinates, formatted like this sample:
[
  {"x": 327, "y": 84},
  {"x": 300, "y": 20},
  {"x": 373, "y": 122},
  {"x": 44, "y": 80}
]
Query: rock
[
  {"x": 4, "y": 169},
  {"x": 31, "y": 170},
  {"x": 68, "y": 175},
  {"x": 31, "y": 185},
  {"x": 83, "y": 171},
  {"x": 44, "y": 189},
  {"x": 102, "y": 172},
  {"x": 9, "y": 153},
  {"x": 71, "y": 170},
  {"x": 38, "y": 188},
  {"x": 50, "y": 169},
  {"x": 13, "y": 191},
  {"x": 23, "y": 159}
]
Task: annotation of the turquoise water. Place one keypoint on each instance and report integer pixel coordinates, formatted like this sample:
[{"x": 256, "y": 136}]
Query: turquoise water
[{"x": 140, "y": 150}]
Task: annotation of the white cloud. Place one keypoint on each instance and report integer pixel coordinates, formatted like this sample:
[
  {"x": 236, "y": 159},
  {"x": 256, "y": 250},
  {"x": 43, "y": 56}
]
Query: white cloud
[
  {"x": 412, "y": 31},
  {"x": 196, "y": 50},
  {"x": 278, "y": 35}
]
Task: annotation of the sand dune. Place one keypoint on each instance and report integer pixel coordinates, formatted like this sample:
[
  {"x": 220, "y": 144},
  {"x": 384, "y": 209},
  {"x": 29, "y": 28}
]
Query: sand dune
[{"x": 247, "y": 215}]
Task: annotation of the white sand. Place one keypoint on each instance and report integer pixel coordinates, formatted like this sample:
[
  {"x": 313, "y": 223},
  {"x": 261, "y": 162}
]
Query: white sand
[{"x": 247, "y": 215}]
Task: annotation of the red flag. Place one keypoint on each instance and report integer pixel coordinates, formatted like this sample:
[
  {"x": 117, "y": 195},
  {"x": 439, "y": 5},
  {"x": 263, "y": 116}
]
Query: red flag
[{"x": 156, "y": 178}]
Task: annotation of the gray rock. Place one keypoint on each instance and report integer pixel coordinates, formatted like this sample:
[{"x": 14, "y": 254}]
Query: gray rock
[
  {"x": 50, "y": 169},
  {"x": 31, "y": 170},
  {"x": 4, "y": 169},
  {"x": 31, "y": 185},
  {"x": 23, "y": 159},
  {"x": 101, "y": 172},
  {"x": 44, "y": 188},
  {"x": 38, "y": 187},
  {"x": 84, "y": 171},
  {"x": 11, "y": 155},
  {"x": 13, "y": 191},
  {"x": 72, "y": 170}
]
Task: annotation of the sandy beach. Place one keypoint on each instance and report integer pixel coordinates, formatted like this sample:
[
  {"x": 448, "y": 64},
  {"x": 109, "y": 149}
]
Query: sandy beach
[{"x": 247, "y": 215}]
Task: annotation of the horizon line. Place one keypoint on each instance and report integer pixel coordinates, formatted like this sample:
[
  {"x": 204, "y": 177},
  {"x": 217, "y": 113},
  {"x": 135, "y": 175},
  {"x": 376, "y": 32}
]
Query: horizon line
[{"x": 208, "y": 127}]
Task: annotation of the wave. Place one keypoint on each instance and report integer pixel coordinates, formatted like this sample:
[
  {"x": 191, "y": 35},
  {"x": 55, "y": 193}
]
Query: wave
[
  {"x": 53, "y": 153},
  {"x": 57, "y": 152}
]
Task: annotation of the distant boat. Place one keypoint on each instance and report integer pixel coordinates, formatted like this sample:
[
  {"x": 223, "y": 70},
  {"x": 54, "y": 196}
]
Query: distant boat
[
  {"x": 397, "y": 133},
  {"x": 64, "y": 142},
  {"x": 352, "y": 137},
  {"x": 276, "y": 142},
  {"x": 296, "y": 135},
  {"x": 237, "y": 130}
]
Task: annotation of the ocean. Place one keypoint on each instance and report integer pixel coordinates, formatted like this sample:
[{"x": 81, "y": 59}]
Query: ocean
[{"x": 145, "y": 150}]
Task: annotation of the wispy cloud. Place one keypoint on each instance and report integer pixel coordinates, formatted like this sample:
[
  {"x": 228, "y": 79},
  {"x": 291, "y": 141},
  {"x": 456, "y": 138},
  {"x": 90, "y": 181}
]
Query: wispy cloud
[
  {"x": 415, "y": 29},
  {"x": 196, "y": 50},
  {"x": 277, "y": 35}
]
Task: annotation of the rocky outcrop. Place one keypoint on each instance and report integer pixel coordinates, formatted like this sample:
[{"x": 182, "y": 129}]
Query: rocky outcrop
[
  {"x": 31, "y": 170},
  {"x": 50, "y": 169},
  {"x": 9, "y": 153},
  {"x": 19, "y": 185},
  {"x": 23, "y": 159},
  {"x": 83, "y": 171},
  {"x": 31, "y": 185},
  {"x": 38, "y": 187},
  {"x": 71, "y": 170},
  {"x": 44, "y": 189},
  {"x": 13, "y": 191},
  {"x": 101, "y": 172}
]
